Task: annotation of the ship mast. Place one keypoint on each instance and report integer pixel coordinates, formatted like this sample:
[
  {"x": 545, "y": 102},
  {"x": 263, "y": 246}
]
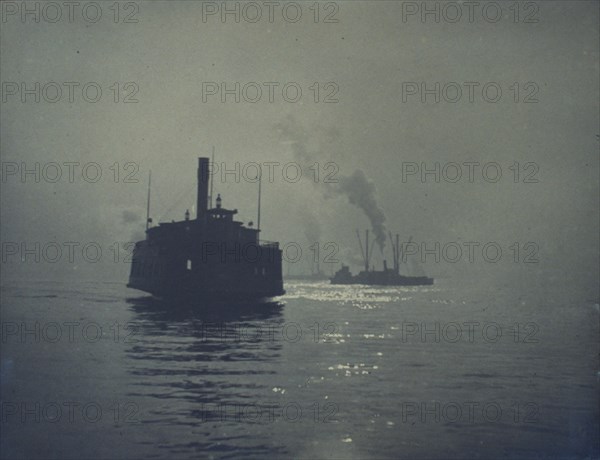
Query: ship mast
[
  {"x": 367, "y": 250},
  {"x": 372, "y": 243},
  {"x": 362, "y": 251},
  {"x": 259, "y": 187},
  {"x": 148, "y": 202},
  {"x": 212, "y": 176},
  {"x": 397, "y": 253},
  {"x": 394, "y": 252}
]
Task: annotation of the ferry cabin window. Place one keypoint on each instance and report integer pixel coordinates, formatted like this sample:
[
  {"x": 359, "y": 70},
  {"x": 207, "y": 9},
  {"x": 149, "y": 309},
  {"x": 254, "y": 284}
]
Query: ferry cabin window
[{"x": 189, "y": 264}]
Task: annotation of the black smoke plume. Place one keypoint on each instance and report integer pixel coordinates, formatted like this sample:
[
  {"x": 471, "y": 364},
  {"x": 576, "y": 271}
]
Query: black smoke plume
[{"x": 357, "y": 187}]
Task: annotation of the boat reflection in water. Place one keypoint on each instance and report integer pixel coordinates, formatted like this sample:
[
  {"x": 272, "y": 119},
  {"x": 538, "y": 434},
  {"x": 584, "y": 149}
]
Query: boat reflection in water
[{"x": 191, "y": 367}]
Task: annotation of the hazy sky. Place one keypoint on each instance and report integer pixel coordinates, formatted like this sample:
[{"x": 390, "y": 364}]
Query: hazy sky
[{"x": 365, "y": 57}]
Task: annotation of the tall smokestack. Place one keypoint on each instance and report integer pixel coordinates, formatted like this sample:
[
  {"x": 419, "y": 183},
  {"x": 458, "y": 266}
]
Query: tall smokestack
[{"x": 202, "y": 197}]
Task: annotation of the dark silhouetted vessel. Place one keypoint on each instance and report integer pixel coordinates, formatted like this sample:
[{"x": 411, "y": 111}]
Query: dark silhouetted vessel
[
  {"x": 385, "y": 277},
  {"x": 212, "y": 257}
]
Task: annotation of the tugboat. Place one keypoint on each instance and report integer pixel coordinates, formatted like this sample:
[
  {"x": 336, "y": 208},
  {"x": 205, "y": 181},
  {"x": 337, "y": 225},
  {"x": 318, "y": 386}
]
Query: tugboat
[
  {"x": 385, "y": 277},
  {"x": 211, "y": 257}
]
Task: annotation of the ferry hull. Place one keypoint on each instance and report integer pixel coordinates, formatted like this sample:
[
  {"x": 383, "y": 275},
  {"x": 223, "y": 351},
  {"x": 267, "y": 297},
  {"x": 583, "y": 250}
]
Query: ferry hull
[
  {"x": 199, "y": 293},
  {"x": 165, "y": 275}
]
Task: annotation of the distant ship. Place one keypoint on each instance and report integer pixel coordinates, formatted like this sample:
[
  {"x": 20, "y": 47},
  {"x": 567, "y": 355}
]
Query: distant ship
[
  {"x": 211, "y": 257},
  {"x": 385, "y": 277}
]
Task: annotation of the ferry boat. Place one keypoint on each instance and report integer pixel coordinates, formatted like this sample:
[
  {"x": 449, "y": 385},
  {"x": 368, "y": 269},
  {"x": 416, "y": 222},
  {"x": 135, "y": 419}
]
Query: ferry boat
[{"x": 211, "y": 257}]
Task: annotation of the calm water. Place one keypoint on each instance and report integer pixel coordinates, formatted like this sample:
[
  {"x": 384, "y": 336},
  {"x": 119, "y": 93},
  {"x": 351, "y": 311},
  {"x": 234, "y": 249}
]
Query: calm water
[{"x": 325, "y": 372}]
